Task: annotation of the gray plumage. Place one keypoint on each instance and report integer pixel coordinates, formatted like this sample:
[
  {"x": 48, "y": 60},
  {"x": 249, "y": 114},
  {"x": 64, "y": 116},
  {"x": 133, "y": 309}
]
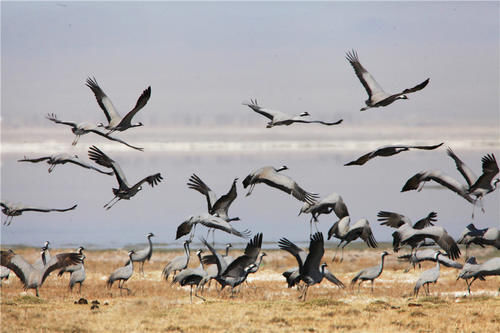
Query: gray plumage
[
  {"x": 347, "y": 233},
  {"x": 395, "y": 220},
  {"x": 115, "y": 121},
  {"x": 33, "y": 278},
  {"x": 4, "y": 274},
  {"x": 272, "y": 177},
  {"x": 427, "y": 277},
  {"x": 278, "y": 118},
  {"x": 310, "y": 271},
  {"x": 473, "y": 270},
  {"x": 429, "y": 255},
  {"x": 39, "y": 263},
  {"x": 80, "y": 129},
  {"x": 482, "y": 237},
  {"x": 63, "y": 158},
  {"x": 210, "y": 258},
  {"x": 406, "y": 235},
  {"x": 192, "y": 277},
  {"x": 211, "y": 261},
  {"x": 15, "y": 209},
  {"x": 77, "y": 272},
  {"x": 476, "y": 188},
  {"x": 209, "y": 221},
  {"x": 125, "y": 190},
  {"x": 145, "y": 254},
  {"x": 331, "y": 203},
  {"x": 386, "y": 151},
  {"x": 237, "y": 271},
  {"x": 122, "y": 274},
  {"x": 216, "y": 206},
  {"x": 178, "y": 263},
  {"x": 369, "y": 274},
  {"x": 377, "y": 97}
]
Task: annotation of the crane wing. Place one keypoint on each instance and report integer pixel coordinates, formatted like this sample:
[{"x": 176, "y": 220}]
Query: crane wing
[
  {"x": 103, "y": 100},
  {"x": 197, "y": 184},
  {"x": 221, "y": 206},
  {"x": 490, "y": 170},
  {"x": 316, "y": 251},
  {"x": 426, "y": 221},
  {"x": 467, "y": 173},
  {"x": 367, "y": 80},
  {"x": 294, "y": 250},
  {"x": 34, "y": 160},
  {"x": 141, "y": 102}
]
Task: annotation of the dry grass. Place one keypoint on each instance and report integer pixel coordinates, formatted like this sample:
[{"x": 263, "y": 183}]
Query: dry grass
[{"x": 266, "y": 306}]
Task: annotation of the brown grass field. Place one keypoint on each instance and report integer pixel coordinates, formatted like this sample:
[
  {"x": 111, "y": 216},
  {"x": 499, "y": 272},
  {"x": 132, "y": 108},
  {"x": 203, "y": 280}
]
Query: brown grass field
[{"x": 267, "y": 305}]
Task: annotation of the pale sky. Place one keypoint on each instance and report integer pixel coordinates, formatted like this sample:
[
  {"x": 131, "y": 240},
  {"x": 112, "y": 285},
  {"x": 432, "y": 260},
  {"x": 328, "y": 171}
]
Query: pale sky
[{"x": 202, "y": 60}]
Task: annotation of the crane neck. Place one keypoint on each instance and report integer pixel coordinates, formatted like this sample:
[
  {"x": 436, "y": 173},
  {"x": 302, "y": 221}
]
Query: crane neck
[{"x": 201, "y": 261}]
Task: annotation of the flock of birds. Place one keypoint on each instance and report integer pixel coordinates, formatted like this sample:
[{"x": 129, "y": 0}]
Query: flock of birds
[{"x": 310, "y": 270}]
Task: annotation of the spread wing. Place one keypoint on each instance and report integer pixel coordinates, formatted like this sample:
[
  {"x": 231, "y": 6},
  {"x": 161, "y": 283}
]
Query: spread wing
[
  {"x": 286, "y": 184},
  {"x": 221, "y": 206},
  {"x": 490, "y": 170},
  {"x": 52, "y": 117},
  {"x": 418, "y": 87},
  {"x": 467, "y": 173},
  {"x": 34, "y": 160},
  {"x": 393, "y": 220},
  {"x": 197, "y": 184},
  {"x": 141, "y": 102},
  {"x": 318, "y": 122},
  {"x": 368, "y": 81},
  {"x": 103, "y": 100},
  {"x": 363, "y": 159},
  {"x": 59, "y": 261},
  {"x": 96, "y": 155},
  {"x": 426, "y": 221},
  {"x": 45, "y": 210},
  {"x": 316, "y": 251},
  {"x": 112, "y": 138},
  {"x": 254, "y": 106},
  {"x": 294, "y": 250},
  {"x": 16, "y": 263}
]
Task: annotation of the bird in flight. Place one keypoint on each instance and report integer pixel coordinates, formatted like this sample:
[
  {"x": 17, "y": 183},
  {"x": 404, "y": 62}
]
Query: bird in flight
[
  {"x": 389, "y": 151},
  {"x": 278, "y": 118},
  {"x": 11, "y": 210},
  {"x": 376, "y": 95},
  {"x": 63, "y": 158},
  {"x": 80, "y": 129},
  {"x": 115, "y": 121},
  {"x": 125, "y": 190},
  {"x": 476, "y": 188}
]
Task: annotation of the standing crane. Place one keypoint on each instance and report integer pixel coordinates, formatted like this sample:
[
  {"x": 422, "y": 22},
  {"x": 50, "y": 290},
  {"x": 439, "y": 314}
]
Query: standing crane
[
  {"x": 370, "y": 274},
  {"x": 122, "y": 274}
]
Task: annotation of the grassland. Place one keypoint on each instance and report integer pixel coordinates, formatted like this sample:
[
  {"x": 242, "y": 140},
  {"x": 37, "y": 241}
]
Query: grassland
[{"x": 266, "y": 305}]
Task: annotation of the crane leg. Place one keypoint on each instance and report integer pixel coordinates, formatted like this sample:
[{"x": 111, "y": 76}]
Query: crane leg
[
  {"x": 336, "y": 251},
  {"x": 106, "y": 205},
  {"x": 80, "y": 289},
  {"x": 372, "y": 286},
  {"x": 52, "y": 166},
  {"x": 250, "y": 190},
  {"x": 114, "y": 203},
  {"x": 191, "y": 294},
  {"x": 196, "y": 293},
  {"x": 142, "y": 268},
  {"x": 75, "y": 141}
]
